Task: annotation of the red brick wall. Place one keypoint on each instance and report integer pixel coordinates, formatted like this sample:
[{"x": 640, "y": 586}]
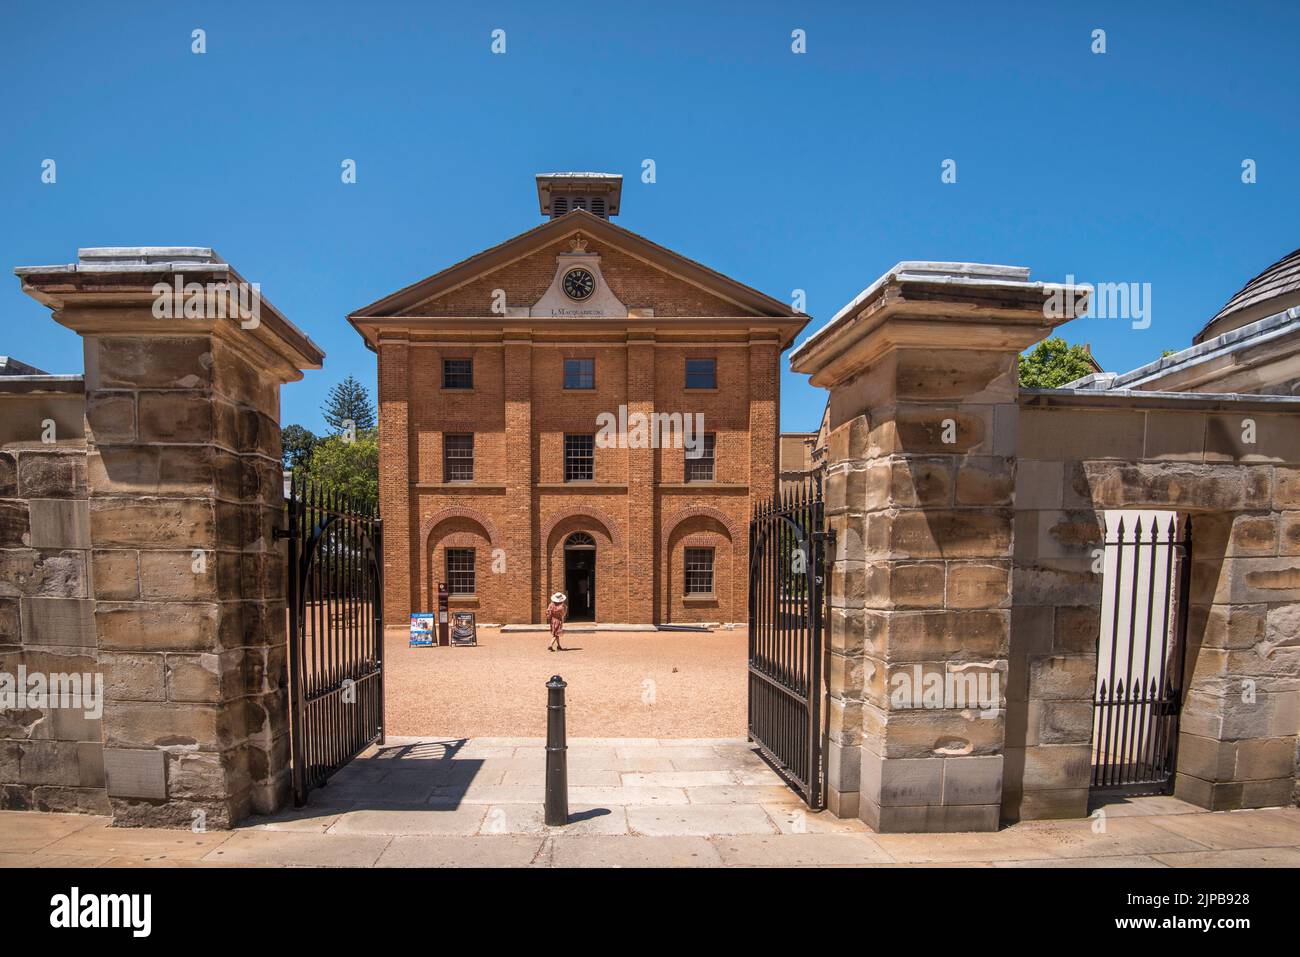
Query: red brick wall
[
  {"x": 637, "y": 509},
  {"x": 634, "y": 283},
  {"x": 395, "y": 480}
]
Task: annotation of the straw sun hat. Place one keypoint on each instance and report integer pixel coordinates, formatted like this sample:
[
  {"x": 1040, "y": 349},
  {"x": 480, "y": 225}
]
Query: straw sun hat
[{"x": 558, "y": 597}]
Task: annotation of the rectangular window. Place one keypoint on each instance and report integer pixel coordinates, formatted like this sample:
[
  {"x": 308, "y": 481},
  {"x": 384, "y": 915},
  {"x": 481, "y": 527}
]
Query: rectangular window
[
  {"x": 458, "y": 458},
  {"x": 458, "y": 373},
  {"x": 699, "y": 571},
  {"x": 580, "y": 373},
  {"x": 460, "y": 571},
  {"x": 699, "y": 462},
  {"x": 701, "y": 373},
  {"x": 579, "y": 458}
]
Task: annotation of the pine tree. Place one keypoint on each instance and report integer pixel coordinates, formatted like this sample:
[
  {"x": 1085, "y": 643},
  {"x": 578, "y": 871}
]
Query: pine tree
[{"x": 349, "y": 401}]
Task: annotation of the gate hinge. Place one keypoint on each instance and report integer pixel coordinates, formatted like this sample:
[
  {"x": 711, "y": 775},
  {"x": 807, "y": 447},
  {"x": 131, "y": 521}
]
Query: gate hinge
[
  {"x": 279, "y": 533},
  {"x": 826, "y": 536}
]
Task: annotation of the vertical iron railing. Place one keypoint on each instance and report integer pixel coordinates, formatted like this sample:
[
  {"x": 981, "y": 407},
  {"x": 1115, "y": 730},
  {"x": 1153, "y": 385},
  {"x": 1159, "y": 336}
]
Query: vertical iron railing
[
  {"x": 1140, "y": 662},
  {"x": 788, "y": 613},
  {"x": 336, "y": 632}
]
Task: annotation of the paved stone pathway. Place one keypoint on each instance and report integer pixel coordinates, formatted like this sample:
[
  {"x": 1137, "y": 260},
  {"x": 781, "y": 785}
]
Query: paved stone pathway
[{"x": 432, "y": 802}]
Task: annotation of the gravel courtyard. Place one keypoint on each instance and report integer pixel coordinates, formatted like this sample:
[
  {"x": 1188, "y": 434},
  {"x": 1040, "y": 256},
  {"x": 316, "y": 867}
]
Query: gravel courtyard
[{"x": 656, "y": 684}]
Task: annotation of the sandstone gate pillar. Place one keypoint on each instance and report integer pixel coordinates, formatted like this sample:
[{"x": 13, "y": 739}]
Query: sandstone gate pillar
[
  {"x": 922, "y": 373},
  {"x": 185, "y": 490}
]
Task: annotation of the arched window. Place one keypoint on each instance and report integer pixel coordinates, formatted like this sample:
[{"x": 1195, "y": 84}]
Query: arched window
[{"x": 579, "y": 540}]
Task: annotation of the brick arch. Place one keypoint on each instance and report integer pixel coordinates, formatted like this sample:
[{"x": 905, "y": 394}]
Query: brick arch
[
  {"x": 473, "y": 514},
  {"x": 697, "y": 511},
  {"x": 582, "y": 511},
  {"x": 736, "y": 602}
]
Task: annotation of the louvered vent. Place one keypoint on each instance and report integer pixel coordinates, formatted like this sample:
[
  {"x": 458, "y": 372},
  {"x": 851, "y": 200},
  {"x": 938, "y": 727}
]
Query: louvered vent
[
  {"x": 561, "y": 193},
  {"x": 596, "y": 205}
]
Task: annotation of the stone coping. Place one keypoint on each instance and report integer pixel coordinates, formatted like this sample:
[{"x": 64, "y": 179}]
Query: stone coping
[
  {"x": 1138, "y": 398},
  {"x": 125, "y": 273},
  {"x": 936, "y": 307},
  {"x": 1282, "y": 325},
  {"x": 951, "y": 276},
  {"x": 38, "y": 384}
]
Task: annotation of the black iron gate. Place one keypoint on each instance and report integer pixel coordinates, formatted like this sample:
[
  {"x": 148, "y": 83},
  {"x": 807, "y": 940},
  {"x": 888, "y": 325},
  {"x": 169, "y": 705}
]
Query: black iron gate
[
  {"x": 1140, "y": 654},
  {"x": 787, "y": 617},
  {"x": 336, "y": 631}
]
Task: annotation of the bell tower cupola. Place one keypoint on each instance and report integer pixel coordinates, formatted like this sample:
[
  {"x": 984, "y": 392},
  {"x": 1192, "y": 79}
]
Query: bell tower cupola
[{"x": 597, "y": 193}]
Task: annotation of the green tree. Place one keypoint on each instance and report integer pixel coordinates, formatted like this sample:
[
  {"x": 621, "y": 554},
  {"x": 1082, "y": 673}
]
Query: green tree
[
  {"x": 351, "y": 468},
  {"x": 297, "y": 444},
  {"x": 349, "y": 402},
  {"x": 1054, "y": 362}
]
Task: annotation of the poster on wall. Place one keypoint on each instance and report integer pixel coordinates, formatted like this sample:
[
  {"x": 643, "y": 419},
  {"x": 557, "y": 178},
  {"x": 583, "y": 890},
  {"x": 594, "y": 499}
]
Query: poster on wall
[
  {"x": 463, "y": 629},
  {"x": 422, "y": 629}
]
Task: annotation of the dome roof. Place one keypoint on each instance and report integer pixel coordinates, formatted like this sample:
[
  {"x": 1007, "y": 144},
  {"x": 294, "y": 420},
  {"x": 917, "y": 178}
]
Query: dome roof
[{"x": 1274, "y": 290}]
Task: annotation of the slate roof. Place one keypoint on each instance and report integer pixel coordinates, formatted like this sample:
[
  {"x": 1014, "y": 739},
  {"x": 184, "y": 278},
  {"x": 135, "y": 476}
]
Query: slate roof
[{"x": 1278, "y": 280}]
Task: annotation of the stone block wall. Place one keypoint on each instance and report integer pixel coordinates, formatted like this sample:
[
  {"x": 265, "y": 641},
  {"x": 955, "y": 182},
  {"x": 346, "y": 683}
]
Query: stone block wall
[
  {"x": 922, "y": 423},
  {"x": 1241, "y": 705},
  {"x": 186, "y": 488},
  {"x": 920, "y": 499},
  {"x": 145, "y": 549},
  {"x": 51, "y": 756},
  {"x": 969, "y": 516}
]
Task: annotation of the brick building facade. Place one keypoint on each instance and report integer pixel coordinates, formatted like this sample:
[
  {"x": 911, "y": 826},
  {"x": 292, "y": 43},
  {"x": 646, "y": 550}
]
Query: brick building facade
[{"x": 499, "y": 378}]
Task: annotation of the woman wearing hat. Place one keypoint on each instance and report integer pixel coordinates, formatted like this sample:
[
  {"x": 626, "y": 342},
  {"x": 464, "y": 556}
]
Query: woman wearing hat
[{"x": 555, "y": 613}]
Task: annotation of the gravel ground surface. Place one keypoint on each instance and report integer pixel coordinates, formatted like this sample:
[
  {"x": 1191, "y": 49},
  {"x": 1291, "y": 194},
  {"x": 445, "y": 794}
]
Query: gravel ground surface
[{"x": 655, "y": 684}]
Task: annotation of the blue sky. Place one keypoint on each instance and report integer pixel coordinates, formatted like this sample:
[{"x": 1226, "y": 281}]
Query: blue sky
[{"x": 816, "y": 171}]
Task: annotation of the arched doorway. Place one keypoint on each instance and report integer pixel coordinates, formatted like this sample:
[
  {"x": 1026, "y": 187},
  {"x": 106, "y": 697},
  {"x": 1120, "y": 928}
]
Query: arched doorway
[{"x": 580, "y": 576}]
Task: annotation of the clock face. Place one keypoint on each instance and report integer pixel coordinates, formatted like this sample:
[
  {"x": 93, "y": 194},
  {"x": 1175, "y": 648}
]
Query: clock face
[{"x": 579, "y": 284}]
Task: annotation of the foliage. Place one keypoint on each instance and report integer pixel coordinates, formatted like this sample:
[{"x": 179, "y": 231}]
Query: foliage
[
  {"x": 1053, "y": 363},
  {"x": 297, "y": 443},
  {"x": 350, "y": 468}
]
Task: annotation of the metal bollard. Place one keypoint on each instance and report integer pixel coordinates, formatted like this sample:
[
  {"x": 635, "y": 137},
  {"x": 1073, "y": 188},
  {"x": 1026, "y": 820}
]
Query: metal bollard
[{"x": 557, "y": 762}]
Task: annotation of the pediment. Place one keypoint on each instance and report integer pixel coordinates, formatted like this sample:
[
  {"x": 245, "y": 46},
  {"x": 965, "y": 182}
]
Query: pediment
[{"x": 523, "y": 277}]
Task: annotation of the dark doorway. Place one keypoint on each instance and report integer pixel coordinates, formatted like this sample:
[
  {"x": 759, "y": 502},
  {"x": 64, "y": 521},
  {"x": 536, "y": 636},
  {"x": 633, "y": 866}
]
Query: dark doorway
[{"x": 580, "y": 576}]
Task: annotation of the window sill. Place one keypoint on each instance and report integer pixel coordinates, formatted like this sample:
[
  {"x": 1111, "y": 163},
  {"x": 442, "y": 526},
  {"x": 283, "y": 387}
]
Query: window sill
[
  {"x": 714, "y": 486},
  {"x": 464, "y": 598},
  {"x": 583, "y": 484},
  {"x": 700, "y": 598},
  {"x": 458, "y": 487},
  {"x": 692, "y": 388},
  {"x": 453, "y": 388}
]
